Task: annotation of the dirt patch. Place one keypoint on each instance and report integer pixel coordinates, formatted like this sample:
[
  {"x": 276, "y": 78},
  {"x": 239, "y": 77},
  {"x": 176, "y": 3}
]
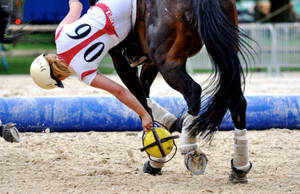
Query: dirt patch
[{"x": 110, "y": 162}]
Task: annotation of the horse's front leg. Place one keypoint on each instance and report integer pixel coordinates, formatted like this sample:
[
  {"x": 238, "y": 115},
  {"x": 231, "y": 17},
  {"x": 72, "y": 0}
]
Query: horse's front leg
[
  {"x": 166, "y": 49},
  {"x": 129, "y": 76},
  {"x": 188, "y": 144},
  {"x": 171, "y": 63},
  {"x": 179, "y": 80},
  {"x": 160, "y": 115},
  {"x": 176, "y": 76}
]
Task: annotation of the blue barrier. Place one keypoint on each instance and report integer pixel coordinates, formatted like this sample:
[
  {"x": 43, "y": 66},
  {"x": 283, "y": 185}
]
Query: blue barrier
[
  {"x": 66, "y": 114},
  {"x": 39, "y": 11}
]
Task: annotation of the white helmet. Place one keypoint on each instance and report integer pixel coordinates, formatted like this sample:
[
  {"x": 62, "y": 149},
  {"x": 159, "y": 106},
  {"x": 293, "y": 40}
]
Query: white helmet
[{"x": 41, "y": 73}]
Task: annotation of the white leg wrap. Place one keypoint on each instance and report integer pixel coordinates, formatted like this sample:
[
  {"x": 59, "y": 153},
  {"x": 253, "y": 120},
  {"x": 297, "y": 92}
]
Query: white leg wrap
[
  {"x": 157, "y": 162},
  {"x": 187, "y": 143},
  {"x": 241, "y": 155},
  {"x": 160, "y": 114}
]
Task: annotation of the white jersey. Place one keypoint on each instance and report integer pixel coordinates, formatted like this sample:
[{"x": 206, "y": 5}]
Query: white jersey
[{"x": 84, "y": 43}]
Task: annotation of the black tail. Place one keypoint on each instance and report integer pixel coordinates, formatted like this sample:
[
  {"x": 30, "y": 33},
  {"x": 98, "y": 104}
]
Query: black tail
[{"x": 222, "y": 40}]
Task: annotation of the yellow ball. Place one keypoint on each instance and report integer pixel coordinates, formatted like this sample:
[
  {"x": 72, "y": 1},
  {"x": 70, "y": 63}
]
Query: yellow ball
[{"x": 154, "y": 150}]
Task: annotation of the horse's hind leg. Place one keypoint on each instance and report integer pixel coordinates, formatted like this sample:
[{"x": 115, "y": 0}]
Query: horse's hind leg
[{"x": 240, "y": 164}]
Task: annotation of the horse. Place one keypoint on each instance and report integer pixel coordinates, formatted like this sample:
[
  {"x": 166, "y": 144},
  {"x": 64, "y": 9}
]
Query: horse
[{"x": 167, "y": 33}]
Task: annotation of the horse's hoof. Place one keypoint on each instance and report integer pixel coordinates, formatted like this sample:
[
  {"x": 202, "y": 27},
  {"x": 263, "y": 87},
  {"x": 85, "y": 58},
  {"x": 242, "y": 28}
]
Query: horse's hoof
[
  {"x": 10, "y": 133},
  {"x": 150, "y": 170},
  {"x": 238, "y": 176},
  {"x": 195, "y": 161}
]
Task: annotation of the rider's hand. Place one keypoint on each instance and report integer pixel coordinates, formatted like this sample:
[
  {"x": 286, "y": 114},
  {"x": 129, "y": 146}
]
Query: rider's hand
[{"x": 147, "y": 122}]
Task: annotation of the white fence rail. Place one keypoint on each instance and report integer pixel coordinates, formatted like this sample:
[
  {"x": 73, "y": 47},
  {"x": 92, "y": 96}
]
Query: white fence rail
[{"x": 278, "y": 46}]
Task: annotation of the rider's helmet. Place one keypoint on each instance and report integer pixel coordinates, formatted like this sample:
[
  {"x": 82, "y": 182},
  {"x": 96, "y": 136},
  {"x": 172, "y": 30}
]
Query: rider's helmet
[{"x": 42, "y": 75}]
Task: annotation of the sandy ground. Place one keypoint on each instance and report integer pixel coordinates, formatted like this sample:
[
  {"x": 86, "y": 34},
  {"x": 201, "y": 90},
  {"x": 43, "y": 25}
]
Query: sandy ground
[{"x": 98, "y": 162}]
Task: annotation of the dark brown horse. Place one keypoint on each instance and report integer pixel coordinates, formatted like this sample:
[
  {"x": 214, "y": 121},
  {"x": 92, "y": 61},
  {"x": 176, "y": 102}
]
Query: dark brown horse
[{"x": 168, "y": 32}]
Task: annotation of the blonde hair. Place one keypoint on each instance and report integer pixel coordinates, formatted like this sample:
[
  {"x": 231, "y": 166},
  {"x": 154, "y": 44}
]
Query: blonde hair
[{"x": 58, "y": 67}]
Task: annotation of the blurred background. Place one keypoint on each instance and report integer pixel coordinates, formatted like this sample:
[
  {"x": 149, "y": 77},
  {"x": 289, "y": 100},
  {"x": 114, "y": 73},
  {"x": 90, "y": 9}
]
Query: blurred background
[{"x": 273, "y": 24}]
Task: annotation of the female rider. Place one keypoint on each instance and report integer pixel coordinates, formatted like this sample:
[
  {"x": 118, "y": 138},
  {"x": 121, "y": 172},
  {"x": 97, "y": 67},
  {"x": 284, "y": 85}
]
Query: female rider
[{"x": 82, "y": 42}]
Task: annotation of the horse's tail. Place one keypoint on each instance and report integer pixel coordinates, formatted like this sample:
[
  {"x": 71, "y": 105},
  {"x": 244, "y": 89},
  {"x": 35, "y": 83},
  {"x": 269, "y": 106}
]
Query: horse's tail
[{"x": 222, "y": 39}]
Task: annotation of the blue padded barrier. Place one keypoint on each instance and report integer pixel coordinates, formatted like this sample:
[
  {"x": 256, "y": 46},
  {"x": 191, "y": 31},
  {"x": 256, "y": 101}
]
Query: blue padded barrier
[
  {"x": 68, "y": 114},
  {"x": 54, "y": 11}
]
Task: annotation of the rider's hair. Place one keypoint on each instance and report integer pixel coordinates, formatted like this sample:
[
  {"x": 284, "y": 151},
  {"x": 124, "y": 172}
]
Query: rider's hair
[{"x": 58, "y": 67}]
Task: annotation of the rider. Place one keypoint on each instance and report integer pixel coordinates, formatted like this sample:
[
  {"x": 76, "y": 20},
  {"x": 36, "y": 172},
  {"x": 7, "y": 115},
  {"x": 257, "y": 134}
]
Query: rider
[{"x": 81, "y": 44}]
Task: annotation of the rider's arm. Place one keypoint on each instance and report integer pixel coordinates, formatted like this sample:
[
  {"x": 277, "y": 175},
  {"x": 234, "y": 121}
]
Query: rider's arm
[
  {"x": 74, "y": 12},
  {"x": 125, "y": 96}
]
